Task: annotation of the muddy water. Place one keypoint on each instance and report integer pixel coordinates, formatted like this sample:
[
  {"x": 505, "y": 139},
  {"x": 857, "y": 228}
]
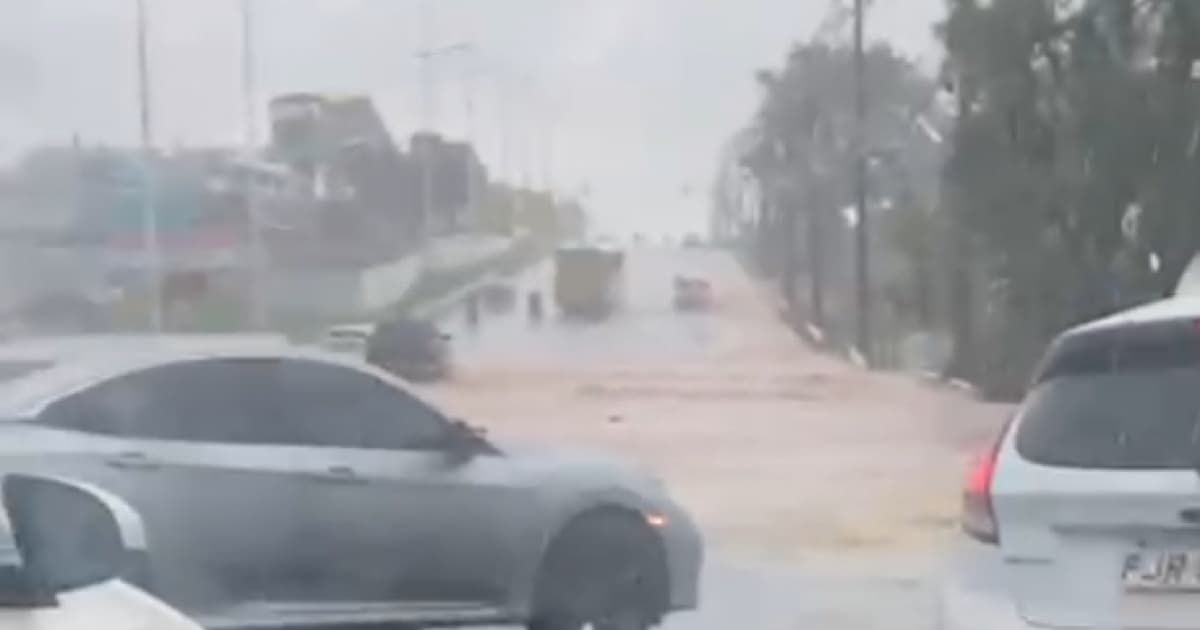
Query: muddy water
[{"x": 782, "y": 453}]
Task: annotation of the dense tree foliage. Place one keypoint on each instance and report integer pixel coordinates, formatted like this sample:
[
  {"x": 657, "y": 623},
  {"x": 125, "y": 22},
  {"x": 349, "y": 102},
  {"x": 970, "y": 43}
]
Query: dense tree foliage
[
  {"x": 1070, "y": 175},
  {"x": 1074, "y": 160},
  {"x": 804, "y": 138}
]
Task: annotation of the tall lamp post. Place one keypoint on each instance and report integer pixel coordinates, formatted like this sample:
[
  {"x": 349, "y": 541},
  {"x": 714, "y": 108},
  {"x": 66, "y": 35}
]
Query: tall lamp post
[
  {"x": 257, "y": 301},
  {"x": 150, "y": 242},
  {"x": 427, "y": 55},
  {"x": 862, "y": 276}
]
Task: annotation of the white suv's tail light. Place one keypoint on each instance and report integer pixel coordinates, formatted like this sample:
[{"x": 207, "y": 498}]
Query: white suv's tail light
[{"x": 978, "y": 516}]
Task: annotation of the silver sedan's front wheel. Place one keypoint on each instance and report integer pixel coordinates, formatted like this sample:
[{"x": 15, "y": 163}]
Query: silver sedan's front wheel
[{"x": 605, "y": 572}]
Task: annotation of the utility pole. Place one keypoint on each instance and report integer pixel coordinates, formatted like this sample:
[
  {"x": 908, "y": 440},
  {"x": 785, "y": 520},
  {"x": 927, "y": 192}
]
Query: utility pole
[
  {"x": 790, "y": 235},
  {"x": 816, "y": 257},
  {"x": 150, "y": 243},
  {"x": 477, "y": 197},
  {"x": 963, "y": 360},
  {"x": 427, "y": 55},
  {"x": 258, "y": 310},
  {"x": 548, "y": 153},
  {"x": 473, "y": 173},
  {"x": 862, "y": 226},
  {"x": 783, "y": 194},
  {"x": 763, "y": 225},
  {"x": 816, "y": 200},
  {"x": 509, "y": 159}
]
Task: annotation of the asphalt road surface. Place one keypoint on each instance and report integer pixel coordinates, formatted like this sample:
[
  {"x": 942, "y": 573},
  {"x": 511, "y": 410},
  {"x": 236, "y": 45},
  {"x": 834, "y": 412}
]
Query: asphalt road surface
[{"x": 886, "y": 586}]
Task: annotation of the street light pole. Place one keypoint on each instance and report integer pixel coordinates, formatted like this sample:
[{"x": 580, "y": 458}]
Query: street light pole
[
  {"x": 963, "y": 363},
  {"x": 150, "y": 243},
  {"x": 426, "y": 59},
  {"x": 476, "y": 194},
  {"x": 249, "y": 77},
  {"x": 258, "y": 310},
  {"x": 547, "y": 145},
  {"x": 862, "y": 231},
  {"x": 426, "y": 56}
]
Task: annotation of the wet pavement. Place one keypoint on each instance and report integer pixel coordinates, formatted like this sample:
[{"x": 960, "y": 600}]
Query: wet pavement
[
  {"x": 795, "y": 598},
  {"x": 827, "y": 494}
]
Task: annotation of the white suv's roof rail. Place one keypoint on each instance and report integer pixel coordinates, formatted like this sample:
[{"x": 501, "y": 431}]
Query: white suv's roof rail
[
  {"x": 1182, "y": 307},
  {"x": 1189, "y": 280}
]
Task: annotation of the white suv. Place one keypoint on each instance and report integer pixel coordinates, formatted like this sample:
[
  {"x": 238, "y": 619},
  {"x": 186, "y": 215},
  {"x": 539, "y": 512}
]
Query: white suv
[
  {"x": 1086, "y": 511},
  {"x": 73, "y": 541}
]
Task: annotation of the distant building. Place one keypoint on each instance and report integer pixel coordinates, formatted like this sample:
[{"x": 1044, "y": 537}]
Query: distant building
[{"x": 346, "y": 151}]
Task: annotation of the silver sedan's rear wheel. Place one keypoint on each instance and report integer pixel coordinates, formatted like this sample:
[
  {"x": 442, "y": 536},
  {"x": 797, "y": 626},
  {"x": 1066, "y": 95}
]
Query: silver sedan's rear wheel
[{"x": 605, "y": 572}]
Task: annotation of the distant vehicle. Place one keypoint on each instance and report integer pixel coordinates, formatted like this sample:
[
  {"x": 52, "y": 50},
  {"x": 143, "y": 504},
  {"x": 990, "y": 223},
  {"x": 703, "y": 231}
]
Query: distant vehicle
[
  {"x": 498, "y": 295},
  {"x": 350, "y": 339},
  {"x": 283, "y": 487},
  {"x": 412, "y": 349},
  {"x": 692, "y": 294},
  {"x": 588, "y": 280},
  {"x": 73, "y": 544},
  {"x": 1084, "y": 512}
]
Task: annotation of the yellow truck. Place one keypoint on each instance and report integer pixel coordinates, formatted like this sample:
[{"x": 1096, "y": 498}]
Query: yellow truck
[{"x": 588, "y": 280}]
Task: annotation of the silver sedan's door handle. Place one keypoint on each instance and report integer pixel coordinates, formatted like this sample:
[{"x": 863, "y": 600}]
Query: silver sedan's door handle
[
  {"x": 340, "y": 474},
  {"x": 133, "y": 461}
]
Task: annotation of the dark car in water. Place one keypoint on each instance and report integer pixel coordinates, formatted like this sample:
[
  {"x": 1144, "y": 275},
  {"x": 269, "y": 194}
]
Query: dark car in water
[
  {"x": 692, "y": 294},
  {"x": 412, "y": 349}
]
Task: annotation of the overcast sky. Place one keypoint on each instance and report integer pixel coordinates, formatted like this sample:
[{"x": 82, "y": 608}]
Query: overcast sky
[{"x": 627, "y": 99}]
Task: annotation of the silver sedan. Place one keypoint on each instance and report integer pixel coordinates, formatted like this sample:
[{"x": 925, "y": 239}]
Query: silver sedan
[{"x": 284, "y": 486}]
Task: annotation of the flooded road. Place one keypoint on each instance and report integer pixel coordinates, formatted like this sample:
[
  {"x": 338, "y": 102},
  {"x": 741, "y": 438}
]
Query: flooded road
[
  {"x": 819, "y": 486},
  {"x": 646, "y": 327}
]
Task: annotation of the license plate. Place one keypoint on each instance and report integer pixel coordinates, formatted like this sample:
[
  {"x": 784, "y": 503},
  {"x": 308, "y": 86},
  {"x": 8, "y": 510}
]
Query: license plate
[{"x": 1150, "y": 570}]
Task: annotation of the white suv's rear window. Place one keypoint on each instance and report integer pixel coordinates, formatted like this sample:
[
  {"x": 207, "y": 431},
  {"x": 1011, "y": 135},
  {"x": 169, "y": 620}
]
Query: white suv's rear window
[{"x": 1122, "y": 398}]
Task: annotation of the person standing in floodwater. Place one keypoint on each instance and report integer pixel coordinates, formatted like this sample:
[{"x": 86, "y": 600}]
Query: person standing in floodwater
[
  {"x": 472, "y": 309},
  {"x": 535, "y": 306}
]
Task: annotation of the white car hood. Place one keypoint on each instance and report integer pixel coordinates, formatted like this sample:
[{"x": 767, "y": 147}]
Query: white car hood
[{"x": 112, "y": 605}]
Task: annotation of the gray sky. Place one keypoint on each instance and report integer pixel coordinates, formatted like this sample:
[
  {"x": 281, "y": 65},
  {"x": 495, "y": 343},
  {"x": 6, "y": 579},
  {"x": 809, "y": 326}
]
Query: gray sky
[{"x": 628, "y": 98}]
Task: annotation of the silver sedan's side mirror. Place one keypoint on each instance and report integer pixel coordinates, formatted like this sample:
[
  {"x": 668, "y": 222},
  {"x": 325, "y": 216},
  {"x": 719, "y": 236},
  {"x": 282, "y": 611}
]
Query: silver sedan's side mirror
[
  {"x": 69, "y": 536},
  {"x": 463, "y": 441}
]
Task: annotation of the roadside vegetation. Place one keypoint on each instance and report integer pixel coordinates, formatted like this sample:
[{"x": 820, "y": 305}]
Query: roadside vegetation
[{"x": 1043, "y": 176}]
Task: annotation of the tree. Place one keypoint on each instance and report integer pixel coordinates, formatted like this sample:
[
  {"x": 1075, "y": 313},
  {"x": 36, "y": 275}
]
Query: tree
[
  {"x": 1073, "y": 160},
  {"x": 802, "y": 154}
]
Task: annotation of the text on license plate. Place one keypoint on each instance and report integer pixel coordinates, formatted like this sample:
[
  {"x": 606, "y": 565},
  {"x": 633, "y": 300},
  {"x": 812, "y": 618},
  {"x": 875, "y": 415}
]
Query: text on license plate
[{"x": 1156, "y": 570}]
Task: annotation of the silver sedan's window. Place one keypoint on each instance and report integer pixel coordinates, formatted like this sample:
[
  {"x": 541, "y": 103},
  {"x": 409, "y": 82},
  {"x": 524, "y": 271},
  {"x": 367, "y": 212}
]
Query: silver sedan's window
[
  {"x": 329, "y": 405},
  {"x": 201, "y": 401},
  {"x": 253, "y": 401}
]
